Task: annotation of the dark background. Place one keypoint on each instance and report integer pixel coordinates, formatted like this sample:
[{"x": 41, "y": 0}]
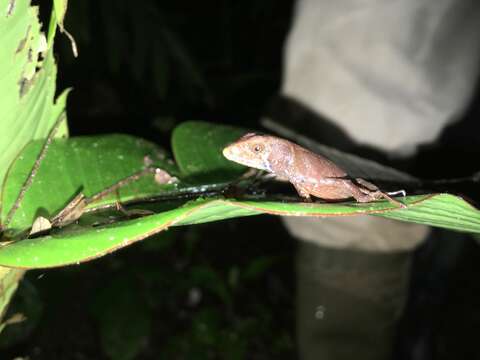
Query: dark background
[{"x": 222, "y": 290}]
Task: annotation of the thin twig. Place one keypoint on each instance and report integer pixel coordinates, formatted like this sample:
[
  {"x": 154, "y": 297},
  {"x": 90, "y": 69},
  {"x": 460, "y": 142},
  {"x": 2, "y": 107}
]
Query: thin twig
[{"x": 119, "y": 184}]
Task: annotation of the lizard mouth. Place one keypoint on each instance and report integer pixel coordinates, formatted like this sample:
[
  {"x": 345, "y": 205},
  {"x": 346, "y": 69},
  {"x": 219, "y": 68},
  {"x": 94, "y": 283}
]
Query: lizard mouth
[
  {"x": 231, "y": 153},
  {"x": 236, "y": 154}
]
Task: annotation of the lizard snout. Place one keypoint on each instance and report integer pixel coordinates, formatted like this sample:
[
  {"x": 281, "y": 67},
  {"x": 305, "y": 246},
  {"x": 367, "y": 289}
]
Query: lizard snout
[{"x": 231, "y": 152}]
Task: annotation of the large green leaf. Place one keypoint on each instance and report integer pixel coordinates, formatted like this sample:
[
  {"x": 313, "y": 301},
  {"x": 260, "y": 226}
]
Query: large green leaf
[
  {"x": 27, "y": 89},
  {"x": 78, "y": 162},
  {"x": 196, "y": 146},
  {"x": 86, "y": 164},
  {"x": 78, "y": 244},
  {"x": 27, "y": 85}
]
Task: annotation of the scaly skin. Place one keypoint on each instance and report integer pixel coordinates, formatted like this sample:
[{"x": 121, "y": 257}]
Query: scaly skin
[{"x": 311, "y": 174}]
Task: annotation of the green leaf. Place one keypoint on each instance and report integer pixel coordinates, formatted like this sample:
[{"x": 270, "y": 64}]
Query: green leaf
[
  {"x": 57, "y": 18},
  {"x": 206, "y": 326},
  {"x": 197, "y": 147},
  {"x": 258, "y": 266},
  {"x": 87, "y": 164},
  {"x": 208, "y": 278},
  {"x": 124, "y": 324},
  {"x": 60, "y": 7},
  {"x": 189, "y": 74},
  {"x": 9, "y": 279},
  {"x": 89, "y": 168},
  {"x": 74, "y": 245},
  {"x": 23, "y": 315},
  {"x": 27, "y": 90},
  {"x": 442, "y": 210},
  {"x": 27, "y": 87}
]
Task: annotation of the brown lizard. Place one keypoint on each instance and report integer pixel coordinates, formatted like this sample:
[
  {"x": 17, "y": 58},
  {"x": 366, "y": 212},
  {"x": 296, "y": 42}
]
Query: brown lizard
[{"x": 310, "y": 173}]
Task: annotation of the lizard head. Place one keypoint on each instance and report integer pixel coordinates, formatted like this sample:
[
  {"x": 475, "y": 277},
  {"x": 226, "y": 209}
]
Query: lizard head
[{"x": 251, "y": 150}]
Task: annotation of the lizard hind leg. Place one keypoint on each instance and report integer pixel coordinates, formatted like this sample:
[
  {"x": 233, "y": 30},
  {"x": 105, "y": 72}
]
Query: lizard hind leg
[
  {"x": 369, "y": 186},
  {"x": 381, "y": 195},
  {"x": 366, "y": 184},
  {"x": 371, "y": 192}
]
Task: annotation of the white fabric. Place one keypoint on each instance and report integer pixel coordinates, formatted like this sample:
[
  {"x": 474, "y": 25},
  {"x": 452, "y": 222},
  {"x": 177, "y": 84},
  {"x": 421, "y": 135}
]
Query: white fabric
[
  {"x": 392, "y": 73},
  {"x": 366, "y": 233}
]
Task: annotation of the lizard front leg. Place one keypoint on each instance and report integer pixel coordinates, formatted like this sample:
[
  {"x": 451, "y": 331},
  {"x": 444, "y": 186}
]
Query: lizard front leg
[{"x": 302, "y": 192}]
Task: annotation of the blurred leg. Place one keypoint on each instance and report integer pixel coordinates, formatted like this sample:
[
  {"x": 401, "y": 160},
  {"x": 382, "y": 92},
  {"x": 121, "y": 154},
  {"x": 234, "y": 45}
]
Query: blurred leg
[
  {"x": 350, "y": 297},
  {"x": 392, "y": 74}
]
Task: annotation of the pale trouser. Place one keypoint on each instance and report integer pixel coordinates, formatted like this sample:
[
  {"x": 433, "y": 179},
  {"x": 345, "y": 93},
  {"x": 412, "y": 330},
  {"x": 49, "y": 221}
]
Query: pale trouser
[{"x": 392, "y": 74}]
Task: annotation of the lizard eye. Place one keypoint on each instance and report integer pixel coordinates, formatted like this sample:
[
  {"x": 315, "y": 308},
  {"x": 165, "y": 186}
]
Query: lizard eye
[{"x": 258, "y": 148}]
